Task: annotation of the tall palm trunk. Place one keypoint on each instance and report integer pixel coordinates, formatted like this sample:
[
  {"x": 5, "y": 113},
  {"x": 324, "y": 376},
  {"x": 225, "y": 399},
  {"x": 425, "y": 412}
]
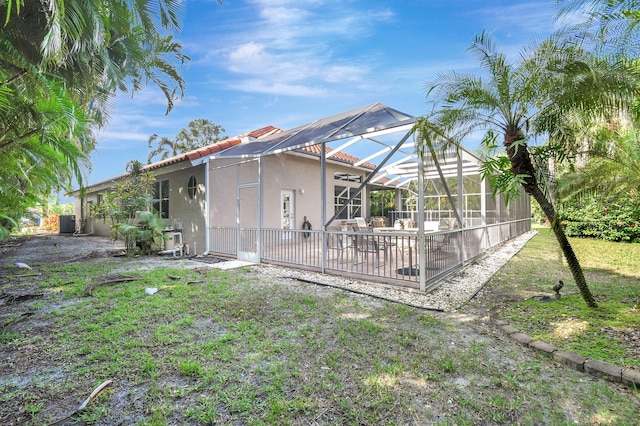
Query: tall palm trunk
[{"x": 521, "y": 165}]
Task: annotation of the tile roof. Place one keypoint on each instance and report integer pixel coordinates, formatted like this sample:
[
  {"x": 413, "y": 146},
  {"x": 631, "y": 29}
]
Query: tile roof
[
  {"x": 228, "y": 143},
  {"x": 263, "y": 132},
  {"x": 340, "y": 156},
  {"x": 200, "y": 152}
]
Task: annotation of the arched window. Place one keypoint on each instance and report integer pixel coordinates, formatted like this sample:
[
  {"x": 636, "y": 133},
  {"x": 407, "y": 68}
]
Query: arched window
[{"x": 192, "y": 187}]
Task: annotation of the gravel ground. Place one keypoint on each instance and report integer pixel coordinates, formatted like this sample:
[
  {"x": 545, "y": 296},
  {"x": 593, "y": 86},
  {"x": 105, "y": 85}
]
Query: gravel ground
[{"x": 452, "y": 293}]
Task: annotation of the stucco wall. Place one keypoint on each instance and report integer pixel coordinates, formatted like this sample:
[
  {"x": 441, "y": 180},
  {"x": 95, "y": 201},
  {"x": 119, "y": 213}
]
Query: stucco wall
[
  {"x": 299, "y": 175},
  {"x": 82, "y": 210},
  {"x": 283, "y": 171},
  {"x": 185, "y": 210},
  {"x": 182, "y": 209},
  {"x": 230, "y": 177}
]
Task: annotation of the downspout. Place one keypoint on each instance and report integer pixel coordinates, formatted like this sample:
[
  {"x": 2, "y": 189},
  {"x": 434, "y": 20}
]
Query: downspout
[
  {"x": 207, "y": 219},
  {"x": 260, "y": 207}
]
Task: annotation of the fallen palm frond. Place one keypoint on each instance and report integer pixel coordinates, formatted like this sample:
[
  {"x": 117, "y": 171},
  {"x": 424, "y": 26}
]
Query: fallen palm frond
[
  {"x": 17, "y": 297},
  {"x": 17, "y": 319},
  {"x": 96, "y": 393},
  {"x": 35, "y": 274},
  {"x": 120, "y": 279}
]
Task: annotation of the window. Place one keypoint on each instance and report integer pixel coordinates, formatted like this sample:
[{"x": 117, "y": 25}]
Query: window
[
  {"x": 161, "y": 198},
  {"x": 342, "y": 194},
  {"x": 192, "y": 187},
  {"x": 347, "y": 177}
]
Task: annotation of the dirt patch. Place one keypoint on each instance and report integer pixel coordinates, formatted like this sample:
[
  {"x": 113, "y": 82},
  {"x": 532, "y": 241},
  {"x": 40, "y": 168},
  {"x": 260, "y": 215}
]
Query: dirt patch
[{"x": 43, "y": 249}]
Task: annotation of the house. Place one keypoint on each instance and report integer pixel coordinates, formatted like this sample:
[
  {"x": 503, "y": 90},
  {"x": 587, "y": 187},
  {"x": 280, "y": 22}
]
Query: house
[
  {"x": 247, "y": 197},
  {"x": 180, "y": 188},
  {"x": 183, "y": 180}
]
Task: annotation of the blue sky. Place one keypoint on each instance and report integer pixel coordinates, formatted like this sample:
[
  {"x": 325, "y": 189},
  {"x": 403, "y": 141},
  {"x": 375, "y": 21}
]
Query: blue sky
[{"x": 288, "y": 62}]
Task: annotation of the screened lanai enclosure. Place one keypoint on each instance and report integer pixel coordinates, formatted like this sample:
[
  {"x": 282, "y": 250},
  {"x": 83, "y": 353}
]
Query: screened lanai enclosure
[{"x": 302, "y": 198}]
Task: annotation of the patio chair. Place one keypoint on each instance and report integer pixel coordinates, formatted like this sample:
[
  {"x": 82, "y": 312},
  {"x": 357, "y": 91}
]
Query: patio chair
[
  {"x": 378, "y": 223},
  {"x": 338, "y": 242},
  {"x": 361, "y": 224},
  {"x": 365, "y": 244},
  {"x": 438, "y": 242},
  {"x": 441, "y": 241}
]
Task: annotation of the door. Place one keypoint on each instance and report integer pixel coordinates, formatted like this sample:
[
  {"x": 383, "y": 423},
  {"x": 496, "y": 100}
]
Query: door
[
  {"x": 287, "y": 210},
  {"x": 248, "y": 217}
]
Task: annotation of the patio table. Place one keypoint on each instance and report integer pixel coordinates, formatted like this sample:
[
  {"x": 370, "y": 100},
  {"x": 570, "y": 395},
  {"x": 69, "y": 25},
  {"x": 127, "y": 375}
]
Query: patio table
[
  {"x": 390, "y": 229},
  {"x": 409, "y": 247}
]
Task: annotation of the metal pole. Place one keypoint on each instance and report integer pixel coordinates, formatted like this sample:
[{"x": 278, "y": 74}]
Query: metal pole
[
  {"x": 421, "y": 248},
  {"x": 238, "y": 232},
  {"x": 323, "y": 204},
  {"x": 460, "y": 209}
]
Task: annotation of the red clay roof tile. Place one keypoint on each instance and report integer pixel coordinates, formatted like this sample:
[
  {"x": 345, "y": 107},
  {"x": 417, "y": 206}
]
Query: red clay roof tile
[
  {"x": 340, "y": 156},
  {"x": 227, "y": 143}
]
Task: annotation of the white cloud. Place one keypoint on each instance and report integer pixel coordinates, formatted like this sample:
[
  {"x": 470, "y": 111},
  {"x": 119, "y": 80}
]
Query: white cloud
[
  {"x": 289, "y": 47},
  {"x": 119, "y": 135},
  {"x": 248, "y": 57},
  {"x": 278, "y": 88},
  {"x": 133, "y": 120},
  {"x": 344, "y": 73},
  {"x": 150, "y": 95},
  {"x": 532, "y": 18}
]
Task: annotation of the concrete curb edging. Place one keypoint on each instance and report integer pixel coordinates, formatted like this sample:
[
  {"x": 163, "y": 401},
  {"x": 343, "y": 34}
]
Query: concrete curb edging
[{"x": 627, "y": 376}]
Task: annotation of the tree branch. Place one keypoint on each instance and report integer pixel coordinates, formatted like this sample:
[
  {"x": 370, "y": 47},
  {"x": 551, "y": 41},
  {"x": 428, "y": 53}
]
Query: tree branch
[
  {"x": 14, "y": 78},
  {"x": 16, "y": 140}
]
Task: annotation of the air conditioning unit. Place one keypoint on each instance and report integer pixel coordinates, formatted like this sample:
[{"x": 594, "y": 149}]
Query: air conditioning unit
[{"x": 67, "y": 224}]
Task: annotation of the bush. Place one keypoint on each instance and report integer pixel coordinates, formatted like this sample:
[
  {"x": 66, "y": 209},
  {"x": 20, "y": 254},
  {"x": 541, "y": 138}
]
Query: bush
[
  {"x": 7, "y": 225},
  {"x": 140, "y": 238},
  {"x": 51, "y": 222},
  {"x": 611, "y": 222}
]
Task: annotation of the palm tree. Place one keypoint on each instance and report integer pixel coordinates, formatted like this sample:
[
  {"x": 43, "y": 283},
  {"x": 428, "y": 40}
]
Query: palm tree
[
  {"x": 166, "y": 148},
  {"x": 556, "y": 86},
  {"x": 613, "y": 25},
  {"x": 612, "y": 171},
  {"x": 61, "y": 62},
  {"x": 44, "y": 143},
  {"x": 96, "y": 46},
  {"x": 200, "y": 133}
]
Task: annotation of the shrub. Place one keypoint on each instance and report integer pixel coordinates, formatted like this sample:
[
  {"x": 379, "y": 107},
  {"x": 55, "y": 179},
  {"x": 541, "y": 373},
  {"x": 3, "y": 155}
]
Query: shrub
[
  {"x": 619, "y": 221},
  {"x": 7, "y": 225},
  {"x": 140, "y": 237},
  {"x": 51, "y": 222}
]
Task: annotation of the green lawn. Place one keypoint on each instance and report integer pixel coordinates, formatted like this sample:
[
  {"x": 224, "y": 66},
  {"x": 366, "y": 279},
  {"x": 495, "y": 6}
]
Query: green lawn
[
  {"x": 612, "y": 270},
  {"x": 240, "y": 348}
]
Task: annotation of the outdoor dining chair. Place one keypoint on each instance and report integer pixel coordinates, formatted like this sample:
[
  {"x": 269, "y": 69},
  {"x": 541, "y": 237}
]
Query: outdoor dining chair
[{"x": 338, "y": 242}]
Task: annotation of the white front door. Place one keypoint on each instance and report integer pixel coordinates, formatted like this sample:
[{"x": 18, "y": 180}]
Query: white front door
[{"x": 286, "y": 212}]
